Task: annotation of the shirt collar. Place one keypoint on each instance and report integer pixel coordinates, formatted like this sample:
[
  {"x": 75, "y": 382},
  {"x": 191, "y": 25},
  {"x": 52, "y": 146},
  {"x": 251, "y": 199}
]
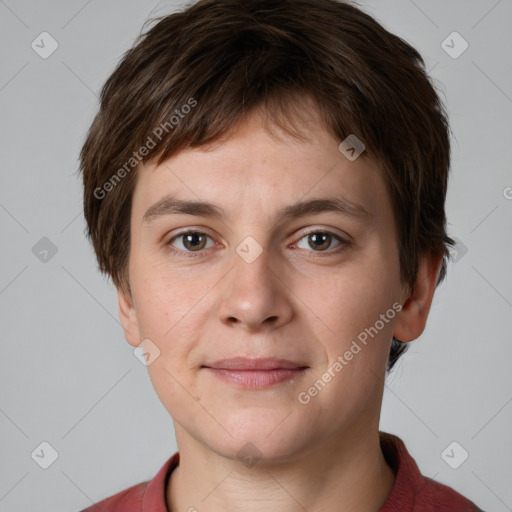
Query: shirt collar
[{"x": 154, "y": 498}]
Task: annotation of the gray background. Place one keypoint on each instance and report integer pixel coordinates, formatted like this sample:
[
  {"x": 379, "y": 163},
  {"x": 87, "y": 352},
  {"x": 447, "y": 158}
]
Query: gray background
[{"x": 68, "y": 377}]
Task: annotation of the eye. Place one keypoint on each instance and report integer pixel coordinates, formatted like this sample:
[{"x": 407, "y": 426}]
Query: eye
[
  {"x": 190, "y": 241},
  {"x": 320, "y": 241}
]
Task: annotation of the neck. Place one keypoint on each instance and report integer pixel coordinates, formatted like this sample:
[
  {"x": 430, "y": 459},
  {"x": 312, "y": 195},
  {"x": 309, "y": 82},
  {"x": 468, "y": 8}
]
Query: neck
[{"x": 344, "y": 473}]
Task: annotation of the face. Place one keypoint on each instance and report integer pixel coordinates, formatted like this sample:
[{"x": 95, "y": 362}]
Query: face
[{"x": 270, "y": 270}]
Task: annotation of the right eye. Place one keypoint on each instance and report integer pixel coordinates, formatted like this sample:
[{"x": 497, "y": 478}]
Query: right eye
[{"x": 190, "y": 241}]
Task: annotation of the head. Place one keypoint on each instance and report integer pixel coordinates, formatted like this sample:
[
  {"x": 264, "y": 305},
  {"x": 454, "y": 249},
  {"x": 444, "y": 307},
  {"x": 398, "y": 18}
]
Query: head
[{"x": 243, "y": 105}]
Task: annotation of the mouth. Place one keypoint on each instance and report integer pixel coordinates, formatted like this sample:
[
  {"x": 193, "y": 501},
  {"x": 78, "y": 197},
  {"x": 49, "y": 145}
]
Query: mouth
[{"x": 255, "y": 373}]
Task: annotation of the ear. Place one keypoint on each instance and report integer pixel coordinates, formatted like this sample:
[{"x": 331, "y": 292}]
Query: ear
[
  {"x": 128, "y": 317},
  {"x": 411, "y": 320}
]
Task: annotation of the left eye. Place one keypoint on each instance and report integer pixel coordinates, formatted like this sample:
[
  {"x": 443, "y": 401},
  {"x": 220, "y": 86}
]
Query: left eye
[{"x": 319, "y": 240}]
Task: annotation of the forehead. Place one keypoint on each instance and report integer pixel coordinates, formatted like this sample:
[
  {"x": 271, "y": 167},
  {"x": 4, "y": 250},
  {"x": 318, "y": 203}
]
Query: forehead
[{"x": 260, "y": 165}]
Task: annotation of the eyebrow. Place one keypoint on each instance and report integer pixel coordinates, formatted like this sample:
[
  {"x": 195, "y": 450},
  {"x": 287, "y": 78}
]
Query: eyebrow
[{"x": 170, "y": 205}]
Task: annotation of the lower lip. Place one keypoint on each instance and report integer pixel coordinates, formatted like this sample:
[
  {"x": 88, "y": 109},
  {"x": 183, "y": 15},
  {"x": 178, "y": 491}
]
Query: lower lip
[{"x": 256, "y": 379}]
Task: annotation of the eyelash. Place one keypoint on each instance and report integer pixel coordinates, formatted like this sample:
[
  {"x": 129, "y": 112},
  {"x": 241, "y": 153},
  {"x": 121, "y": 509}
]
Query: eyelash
[{"x": 193, "y": 254}]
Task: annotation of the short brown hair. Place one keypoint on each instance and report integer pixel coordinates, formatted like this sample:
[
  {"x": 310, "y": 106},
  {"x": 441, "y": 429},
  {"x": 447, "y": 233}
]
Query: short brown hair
[{"x": 223, "y": 58}]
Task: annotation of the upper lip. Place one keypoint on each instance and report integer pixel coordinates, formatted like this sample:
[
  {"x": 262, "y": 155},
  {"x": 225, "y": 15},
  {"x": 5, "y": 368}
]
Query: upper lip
[{"x": 247, "y": 363}]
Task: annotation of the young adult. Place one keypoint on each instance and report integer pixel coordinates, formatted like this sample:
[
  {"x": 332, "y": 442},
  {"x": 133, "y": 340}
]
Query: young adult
[{"x": 265, "y": 184}]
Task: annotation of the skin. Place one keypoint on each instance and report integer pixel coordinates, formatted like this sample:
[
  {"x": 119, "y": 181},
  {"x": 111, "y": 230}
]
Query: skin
[{"x": 294, "y": 301}]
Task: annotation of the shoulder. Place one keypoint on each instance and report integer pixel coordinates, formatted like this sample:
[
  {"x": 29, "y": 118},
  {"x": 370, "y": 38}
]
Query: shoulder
[
  {"x": 129, "y": 500},
  {"x": 143, "y": 497},
  {"x": 413, "y": 491},
  {"x": 441, "y": 498}
]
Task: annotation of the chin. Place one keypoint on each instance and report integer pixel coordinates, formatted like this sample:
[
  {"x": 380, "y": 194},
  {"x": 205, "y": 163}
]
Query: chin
[
  {"x": 259, "y": 451},
  {"x": 262, "y": 435}
]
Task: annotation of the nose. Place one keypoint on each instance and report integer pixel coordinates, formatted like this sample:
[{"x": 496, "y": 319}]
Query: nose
[{"x": 255, "y": 296}]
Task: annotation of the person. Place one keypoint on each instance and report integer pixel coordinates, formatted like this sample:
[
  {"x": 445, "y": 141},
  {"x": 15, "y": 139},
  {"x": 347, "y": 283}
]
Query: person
[{"x": 265, "y": 182}]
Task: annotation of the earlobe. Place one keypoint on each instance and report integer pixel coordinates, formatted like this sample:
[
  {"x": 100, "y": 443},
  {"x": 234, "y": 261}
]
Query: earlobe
[
  {"x": 411, "y": 320},
  {"x": 128, "y": 317}
]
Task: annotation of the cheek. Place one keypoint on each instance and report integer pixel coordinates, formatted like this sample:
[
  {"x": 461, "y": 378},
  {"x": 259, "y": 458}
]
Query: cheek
[
  {"x": 347, "y": 302},
  {"x": 166, "y": 299},
  {"x": 171, "y": 310},
  {"x": 176, "y": 391},
  {"x": 347, "y": 308},
  {"x": 166, "y": 311}
]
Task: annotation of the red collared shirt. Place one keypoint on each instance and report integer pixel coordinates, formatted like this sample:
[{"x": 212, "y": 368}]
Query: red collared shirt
[{"x": 411, "y": 492}]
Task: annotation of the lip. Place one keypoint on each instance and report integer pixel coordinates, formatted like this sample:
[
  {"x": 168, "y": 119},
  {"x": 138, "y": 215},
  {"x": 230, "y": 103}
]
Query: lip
[
  {"x": 255, "y": 364},
  {"x": 255, "y": 373}
]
